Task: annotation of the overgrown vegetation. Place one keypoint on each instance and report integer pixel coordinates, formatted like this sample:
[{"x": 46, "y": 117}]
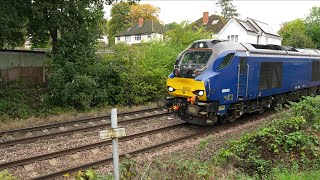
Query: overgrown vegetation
[
  {"x": 5, "y": 175},
  {"x": 286, "y": 148},
  {"x": 132, "y": 75}
]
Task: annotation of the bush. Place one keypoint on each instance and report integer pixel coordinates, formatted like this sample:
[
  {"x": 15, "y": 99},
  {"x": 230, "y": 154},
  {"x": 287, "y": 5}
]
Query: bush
[
  {"x": 132, "y": 75},
  {"x": 16, "y": 101},
  {"x": 283, "y": 143},
  {"x": 5, "y": 175},
  {"x": 309, "y": 108}
]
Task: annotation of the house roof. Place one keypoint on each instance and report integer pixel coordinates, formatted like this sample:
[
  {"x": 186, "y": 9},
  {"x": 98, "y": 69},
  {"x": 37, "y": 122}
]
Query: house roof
[
  {"x": 247, "y": 26},
  {"x": 215, "y": 23},
  {"x": 253, "y": 26},
  {"x": 264, "y": 27},
  {"x": 148, "y": 27}
]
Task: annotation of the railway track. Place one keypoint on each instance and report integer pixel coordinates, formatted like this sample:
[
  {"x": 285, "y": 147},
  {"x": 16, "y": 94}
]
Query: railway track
[
  {"x": 202, "y": 131},
  {"x": 84, "y": 147},
  {"x": 89, "y": 125}
]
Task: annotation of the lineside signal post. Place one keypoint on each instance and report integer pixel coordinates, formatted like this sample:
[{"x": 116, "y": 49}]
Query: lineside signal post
[{"x": 114, "y": 133}]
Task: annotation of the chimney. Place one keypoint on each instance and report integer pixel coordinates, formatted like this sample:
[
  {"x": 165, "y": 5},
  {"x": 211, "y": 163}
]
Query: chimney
[
  {"x": 205, "y": 18},
  {"x": 140, "y": 21}
]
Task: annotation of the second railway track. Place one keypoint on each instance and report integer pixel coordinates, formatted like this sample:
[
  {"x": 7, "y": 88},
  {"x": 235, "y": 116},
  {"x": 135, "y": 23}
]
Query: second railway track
[{"x": 8, "y": 138}]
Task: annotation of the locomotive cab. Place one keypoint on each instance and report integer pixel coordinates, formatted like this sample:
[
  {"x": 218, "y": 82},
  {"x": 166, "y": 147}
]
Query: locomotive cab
[{"x": 189, "y": 84}]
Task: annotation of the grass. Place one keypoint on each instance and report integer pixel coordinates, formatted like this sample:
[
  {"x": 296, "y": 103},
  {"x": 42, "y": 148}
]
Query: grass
[{"x": 293, "y": 175}]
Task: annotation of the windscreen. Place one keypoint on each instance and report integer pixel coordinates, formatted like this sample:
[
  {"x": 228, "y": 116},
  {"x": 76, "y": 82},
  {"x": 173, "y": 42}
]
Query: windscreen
[{"x": 192, "y": 62}]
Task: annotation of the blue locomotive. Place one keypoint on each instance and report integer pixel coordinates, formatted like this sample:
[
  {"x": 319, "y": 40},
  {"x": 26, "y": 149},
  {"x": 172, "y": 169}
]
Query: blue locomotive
[{"x": 216, "y": 80}]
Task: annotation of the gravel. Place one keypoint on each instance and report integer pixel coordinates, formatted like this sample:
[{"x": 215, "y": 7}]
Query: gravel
[
  {"x": 24, "y": 150},
  {"x": 87, "y": 156}
]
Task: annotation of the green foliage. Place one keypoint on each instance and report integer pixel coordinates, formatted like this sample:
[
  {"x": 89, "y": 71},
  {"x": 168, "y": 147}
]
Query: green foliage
[
  {"x": 15, "y": 102},
  {"x": 283, "y": 143},
  {"x": 313, "y": 25},
  {"x": 294, "y": 33},
  {"x": 228, "y": 10},
  {"x": 295, "y": 174},
  {"x": 128, "y": 169},
  {"x": 13, "y": 24},
  {"x": 5, "y": 175},
  {"x": 119, "y": 19},
  {"x": 184, "y": 34},
  {"x": 171, "y": 26},
  {"x": 71, "y": 83},
  {"x": 89, "y": 175},
  {"x": 184, "y": 169},
  {"x": 142, "y": 70},
  {"x": 309, "y": 108}
]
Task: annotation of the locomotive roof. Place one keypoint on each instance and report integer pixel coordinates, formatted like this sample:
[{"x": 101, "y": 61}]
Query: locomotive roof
[{"x": 221, "y": 45}]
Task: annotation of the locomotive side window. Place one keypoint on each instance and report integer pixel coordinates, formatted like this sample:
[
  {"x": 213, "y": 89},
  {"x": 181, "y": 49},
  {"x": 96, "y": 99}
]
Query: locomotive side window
[
  {"x": 226, "y": 61},
  {"x": 315, "y": 70},
  {"x": 270, "y": 75}
]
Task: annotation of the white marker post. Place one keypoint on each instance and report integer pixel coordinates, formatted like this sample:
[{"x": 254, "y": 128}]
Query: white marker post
[
  {"x": 114, "y": 133},
  {"x": 115, "y": 145}
]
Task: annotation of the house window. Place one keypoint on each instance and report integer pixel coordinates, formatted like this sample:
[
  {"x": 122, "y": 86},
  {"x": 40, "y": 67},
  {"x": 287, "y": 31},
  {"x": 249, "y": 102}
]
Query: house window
[
  {"x": 137, "y": 37},
  {"x": 128, "y": 38},
  {"x": 236, "y": 38},
  {"x": 233, "y": 38},
  {"x": 118, "y": 38}
]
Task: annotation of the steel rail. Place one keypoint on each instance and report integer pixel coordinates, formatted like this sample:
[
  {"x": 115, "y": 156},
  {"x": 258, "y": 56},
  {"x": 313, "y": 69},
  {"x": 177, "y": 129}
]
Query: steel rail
[
  {"x": 80, "y": 120},
  {"x": 34, "y": 138},
  {"x": 20, "y": 162},
  {"x": 109, "y": 159},
  {"x": 143, "y": 150}
]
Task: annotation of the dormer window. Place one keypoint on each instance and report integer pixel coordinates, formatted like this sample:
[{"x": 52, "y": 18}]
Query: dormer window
[{"x": 215, "y": 22}]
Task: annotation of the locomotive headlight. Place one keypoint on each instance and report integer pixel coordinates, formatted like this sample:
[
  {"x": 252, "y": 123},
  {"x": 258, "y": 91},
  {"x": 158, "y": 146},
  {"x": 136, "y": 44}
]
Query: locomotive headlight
[
  {"x": 201, "y": 93},
  {"x": 170, "y": 89}
]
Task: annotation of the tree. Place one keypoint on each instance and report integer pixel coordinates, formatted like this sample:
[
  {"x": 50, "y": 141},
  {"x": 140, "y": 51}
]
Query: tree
[
  {"x": 71, "y": 83},
  {"x": 229, "y": 11},
  {"x": 13, "y": 23},
  {"x": 313, "y": 25},
  {"x": 171, "y": 26},
  {"x": 120, "y": 20},
  {"x": 184, "y": 34},
  {"x": 146, "y": 11},
  {"x": 294, "y": 33}
]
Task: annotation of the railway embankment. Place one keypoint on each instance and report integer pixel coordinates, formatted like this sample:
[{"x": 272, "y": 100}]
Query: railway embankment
[{"x": 281, "y": 146}]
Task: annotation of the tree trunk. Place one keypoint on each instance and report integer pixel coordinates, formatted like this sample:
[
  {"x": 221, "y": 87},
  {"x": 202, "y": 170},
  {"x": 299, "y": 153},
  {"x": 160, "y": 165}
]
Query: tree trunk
[{"x": 54, "y": 36}]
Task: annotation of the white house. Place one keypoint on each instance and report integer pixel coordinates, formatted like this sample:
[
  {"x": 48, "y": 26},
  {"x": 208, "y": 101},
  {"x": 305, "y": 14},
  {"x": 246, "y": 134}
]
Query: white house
[
  {"x": 249, "y": 31},
  {"x": 104, "y": 40},
  {"x": 141, "y": 32}
]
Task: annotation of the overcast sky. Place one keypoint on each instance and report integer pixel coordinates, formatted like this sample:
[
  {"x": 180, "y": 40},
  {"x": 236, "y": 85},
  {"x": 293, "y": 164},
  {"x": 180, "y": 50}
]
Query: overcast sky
[{"x": 272, "y": 12}]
